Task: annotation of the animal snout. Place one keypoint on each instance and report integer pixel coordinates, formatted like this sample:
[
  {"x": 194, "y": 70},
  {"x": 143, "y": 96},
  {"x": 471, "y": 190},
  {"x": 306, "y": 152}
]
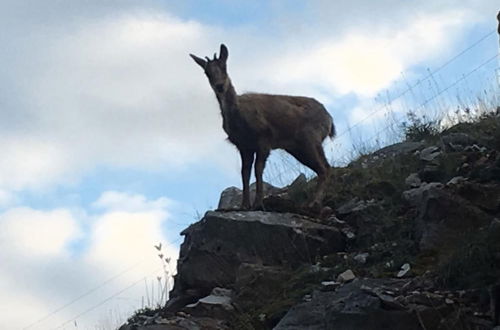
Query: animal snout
[{"x": 219, "y": 88}]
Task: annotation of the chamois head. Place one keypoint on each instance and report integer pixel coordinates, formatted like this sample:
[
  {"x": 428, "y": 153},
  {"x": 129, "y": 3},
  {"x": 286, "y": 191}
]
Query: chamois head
[{"x": 215, "y": 69}]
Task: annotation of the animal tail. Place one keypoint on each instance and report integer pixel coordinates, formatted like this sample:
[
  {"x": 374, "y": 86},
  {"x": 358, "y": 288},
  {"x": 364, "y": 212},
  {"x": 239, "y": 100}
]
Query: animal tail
[{"x": 333, "y": 132}]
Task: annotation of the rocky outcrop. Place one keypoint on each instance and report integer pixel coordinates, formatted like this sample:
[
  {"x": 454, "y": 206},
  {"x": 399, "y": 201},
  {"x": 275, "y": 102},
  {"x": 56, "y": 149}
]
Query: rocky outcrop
[
  {"x": 408, "y": 238},
  {"x": 353, "y": 306},
  {"x": 220, "y": 249},
  {"x": 444, "y": 217},
  {"x": 380, "y": 304}
]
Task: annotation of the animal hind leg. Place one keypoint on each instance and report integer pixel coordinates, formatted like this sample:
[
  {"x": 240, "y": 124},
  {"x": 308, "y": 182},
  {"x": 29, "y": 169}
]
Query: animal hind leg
[
  {"x": 313, "y": 157},
  {"x": 323, "y": 177}
]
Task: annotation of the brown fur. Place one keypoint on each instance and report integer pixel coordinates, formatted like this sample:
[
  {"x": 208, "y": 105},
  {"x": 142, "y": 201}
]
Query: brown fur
[{"x": 258, "y": 123}]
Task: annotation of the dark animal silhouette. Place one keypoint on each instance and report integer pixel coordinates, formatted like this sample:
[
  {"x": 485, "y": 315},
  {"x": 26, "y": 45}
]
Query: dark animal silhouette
[{"x": 258, "y": 123}]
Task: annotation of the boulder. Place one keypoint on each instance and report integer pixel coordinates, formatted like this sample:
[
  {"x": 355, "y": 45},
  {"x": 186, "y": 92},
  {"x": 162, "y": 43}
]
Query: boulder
[
  {"x": 413, "y": 180},
  {"x": 429, "y": 154},
  {"x": 230, "y": 198},
  {"x": 364, "y": 221},
  {"x": 457, "y": 141},
  {"x": 431, "y": 172},
  {"x": 415, "y": 196},
  {"x": 486, "y": 196},
  {"x": 443, "y": 217},
  {"x": 218, "y": 304},
  {"x": 353, "y": 307},
  {"x": 215, "y": 247}
]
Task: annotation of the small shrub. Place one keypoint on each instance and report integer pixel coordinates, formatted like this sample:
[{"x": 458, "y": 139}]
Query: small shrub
[
  {"x": 475, "y": 264},
  {"x": 419, "y": 128}
]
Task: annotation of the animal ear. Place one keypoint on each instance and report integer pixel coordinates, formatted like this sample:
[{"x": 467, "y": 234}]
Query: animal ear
[
  {"x": 223, "y": 53},
  {"x": 201, "y": 62}
]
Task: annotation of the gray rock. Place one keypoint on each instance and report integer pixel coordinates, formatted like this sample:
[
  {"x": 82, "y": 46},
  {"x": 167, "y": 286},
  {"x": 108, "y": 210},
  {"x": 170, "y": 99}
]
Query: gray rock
[
  {"x": 219, "y": 296},
  {"x": 402, "y": 148},
  {"x": 476, "y": 148},
  {"x": 457, "y": 141},
  {"x": 425, "y": 298},
  {"x": 329, "y": 285},
  {"x": 349, "y": 233},
  {"x": 444, "y": 217},
  {"x": 217, "y": 305},
  {"x": 351, "y": 308},
  {"x": 346, "y": 276},
  {"x": 415, "y": 196},
  {"x": 394, "y": 150},
  {"x": 297, "y": 184},
  {"x": 354, "y": 205},
  {"x": 216, "y": 246},
  {"x": 230, "y": 198},
  {"x": 431, "y": 172},
  {"x": 456, "y": 180},
  {"x": 485, "y": 196},
  {"x": 181, "y": 323},
  {"x": 361, "y": 257},
  {"x": 413, "y": 180},
  {"x": 429, "y": 154},
  {"x": 404, "y": 270}
]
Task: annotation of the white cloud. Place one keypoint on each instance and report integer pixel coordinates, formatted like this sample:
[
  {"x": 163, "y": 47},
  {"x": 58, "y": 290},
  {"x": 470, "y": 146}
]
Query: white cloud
[
  {"x": 119, "y": 201},
  {"x": 34, "y": 233},
  {"x": 28, "y": 161},
  {"x": 127, "y": 230},
  {"x": 16, "y": 305},
  {"x": 369, "y": 111},
  {"x": 120, "y": 91},
  {"x": 366, "y": 63},
  {"x": 42, "y": 273},
  {"x": 119, "y": 237},
  {"x": 6, "y": 198}
]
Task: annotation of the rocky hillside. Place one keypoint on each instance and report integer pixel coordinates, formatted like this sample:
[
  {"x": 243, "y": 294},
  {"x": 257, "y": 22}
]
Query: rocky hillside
[{"x": 409, "y": 238}]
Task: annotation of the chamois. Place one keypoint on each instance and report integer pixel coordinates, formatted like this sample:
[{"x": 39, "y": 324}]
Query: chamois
[{"x": 258, "y": 123}]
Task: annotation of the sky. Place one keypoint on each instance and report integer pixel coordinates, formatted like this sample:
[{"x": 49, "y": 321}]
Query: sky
[{"x": 112, "y": 139}]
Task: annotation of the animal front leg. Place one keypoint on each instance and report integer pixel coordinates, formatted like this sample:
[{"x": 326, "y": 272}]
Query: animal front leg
[
  {"x": 260, "y": 163},
  {"x": 247, "y": 158}
]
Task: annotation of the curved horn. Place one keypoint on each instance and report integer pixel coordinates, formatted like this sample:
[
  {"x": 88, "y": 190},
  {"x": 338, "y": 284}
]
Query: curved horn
[
  {"x": 215, "y": 56},
  {"x": 208, "y": 60}
]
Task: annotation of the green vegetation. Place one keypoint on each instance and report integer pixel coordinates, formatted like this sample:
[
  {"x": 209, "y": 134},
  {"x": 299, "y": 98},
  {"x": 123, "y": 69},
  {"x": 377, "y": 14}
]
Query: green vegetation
[
  {"x": 266, "y": 297},
  {"x": 476, "y": 263},
  {"x": 419, "y": 128}
]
